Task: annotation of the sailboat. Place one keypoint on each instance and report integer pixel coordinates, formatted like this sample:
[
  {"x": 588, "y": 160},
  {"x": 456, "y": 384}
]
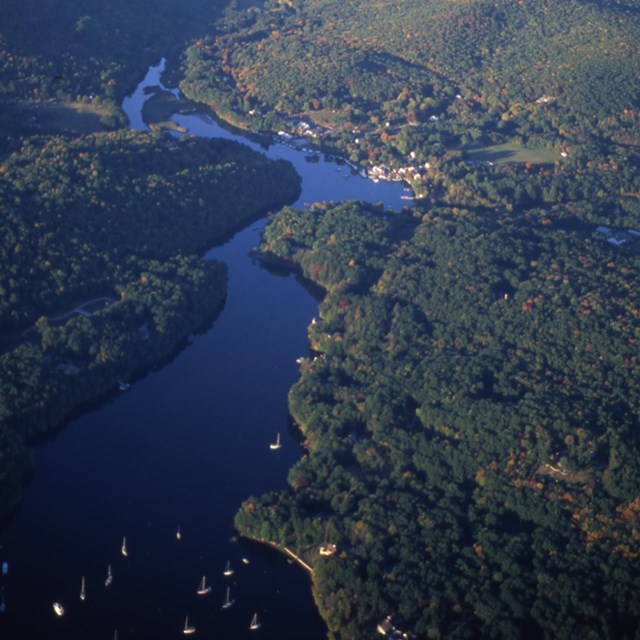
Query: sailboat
[
  {"x": 179, "y": 533},
  {"x": 228, "y": 571},
  {"x": 203, "y": 589},
  {"x": 227, "y": 599},
  {"x": 276, "y": 444},
  {"x": 254, "y": 623},
  {"x": 83, "y": 593},
  {"x": 123, "y": 548},
  {"x": 58, "y": 608},
  {"x": 188, "y": 629},
  {"x": 109, "y": 579}
]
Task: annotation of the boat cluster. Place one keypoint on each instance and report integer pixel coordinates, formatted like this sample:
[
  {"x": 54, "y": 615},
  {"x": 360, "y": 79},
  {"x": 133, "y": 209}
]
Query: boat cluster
[{"x": 202, "y": 589}]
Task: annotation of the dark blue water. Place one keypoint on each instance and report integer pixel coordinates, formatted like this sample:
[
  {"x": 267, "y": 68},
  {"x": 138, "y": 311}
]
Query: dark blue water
[{"x": 185, "y": 445}]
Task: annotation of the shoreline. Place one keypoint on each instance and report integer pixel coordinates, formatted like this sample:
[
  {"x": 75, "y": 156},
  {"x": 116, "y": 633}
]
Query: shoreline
[{"x": 282, "y": 550}]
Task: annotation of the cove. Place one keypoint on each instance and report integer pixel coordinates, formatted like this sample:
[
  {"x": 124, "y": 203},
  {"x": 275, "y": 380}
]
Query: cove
[{"x": 183, "y": 446}]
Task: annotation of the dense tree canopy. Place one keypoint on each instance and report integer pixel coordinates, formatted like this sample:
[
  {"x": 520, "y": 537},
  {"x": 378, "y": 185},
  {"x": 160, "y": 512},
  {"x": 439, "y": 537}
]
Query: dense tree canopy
[{"x": 471, "y": 417}]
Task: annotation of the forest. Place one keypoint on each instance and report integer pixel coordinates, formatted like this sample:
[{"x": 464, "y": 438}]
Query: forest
[
  {"x": 423, "y": 86},
  {"x": 470, "y": 415}
]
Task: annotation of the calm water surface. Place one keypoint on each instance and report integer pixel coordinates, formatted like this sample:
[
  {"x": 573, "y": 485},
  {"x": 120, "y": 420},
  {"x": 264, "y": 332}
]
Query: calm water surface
[{"x": 184, "y": 446}]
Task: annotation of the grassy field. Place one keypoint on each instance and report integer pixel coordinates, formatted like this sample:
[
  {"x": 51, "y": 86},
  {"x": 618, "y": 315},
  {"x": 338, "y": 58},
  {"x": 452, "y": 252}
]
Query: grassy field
[
  {"x": 54, "y": 117},
  {"x": 508, "y": 152}
]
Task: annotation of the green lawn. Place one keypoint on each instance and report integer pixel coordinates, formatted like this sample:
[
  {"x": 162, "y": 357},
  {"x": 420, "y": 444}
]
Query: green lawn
[
  {"x": 509, "y": 152},
  {"x": 54, "y": 117}
]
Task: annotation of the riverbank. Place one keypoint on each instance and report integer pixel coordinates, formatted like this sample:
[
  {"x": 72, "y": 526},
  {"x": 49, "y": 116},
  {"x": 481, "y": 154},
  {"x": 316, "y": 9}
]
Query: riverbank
[
  {"x": 66, "y": 381},
  {"x": 140, "y": 249},
  {"x": 283, "y": 550}
]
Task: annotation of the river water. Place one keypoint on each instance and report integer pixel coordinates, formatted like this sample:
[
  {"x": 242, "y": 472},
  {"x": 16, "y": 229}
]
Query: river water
[{"x": 182, "y": 447}]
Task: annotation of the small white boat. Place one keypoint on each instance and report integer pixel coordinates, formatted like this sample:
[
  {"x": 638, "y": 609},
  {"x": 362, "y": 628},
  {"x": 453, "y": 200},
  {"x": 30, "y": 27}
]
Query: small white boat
[
  {"x": 58, "y": 608},
  {"x": 203, "y": 589},
  {"x": 276, "y": 444},
  {"x": 188, "y": 629},
  {"x": 123, "y": 548},
  {"x": 228, "y": 602},
  {"x": 83, "y": 592},
  {"x": 228, "y": 571},
  {"x": 254, "y": 623},
  {"x": 109, "y": 579},
  {"x": 179, "y": 533},
  {"x": 245, "y": 560}
]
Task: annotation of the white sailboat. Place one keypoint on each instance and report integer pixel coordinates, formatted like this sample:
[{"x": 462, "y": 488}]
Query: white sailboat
[
  {"x": 254, "y": 623},
  {"x": 228, "y": 571},
  {"x": 227, "y": 599},
  {"x": 123, "y": 548},
  {"x": 276, "y": 444},
  {"x": 188, "y": 629},
  {"x": 83, "y": 592},
  {"x": 203, "y": 589},
  {"x": 58, "y": 608},
  {"x": 179, "y": 533},
  {"x": 109, "y": 579}
]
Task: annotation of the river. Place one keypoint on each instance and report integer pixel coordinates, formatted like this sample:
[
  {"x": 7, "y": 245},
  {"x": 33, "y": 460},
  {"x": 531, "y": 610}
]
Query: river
[{"x": 182, "y": 447}]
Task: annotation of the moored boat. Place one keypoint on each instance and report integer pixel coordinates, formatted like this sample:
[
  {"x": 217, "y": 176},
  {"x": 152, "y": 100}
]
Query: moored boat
[
  {"x": 203, "y": 589},
  {"x": 228, "y": 602},
  {"x": 188, "y": 629},
  {"x": 255, "y": 624},
  {"x": 276, "y": 444}
]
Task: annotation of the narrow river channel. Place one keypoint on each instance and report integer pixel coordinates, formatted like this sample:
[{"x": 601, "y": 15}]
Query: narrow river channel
[{"x": 182, "y": 447}]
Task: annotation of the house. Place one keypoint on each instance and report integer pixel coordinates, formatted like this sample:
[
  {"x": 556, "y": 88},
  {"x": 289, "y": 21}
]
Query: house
[{"x": 327, "y": 549}]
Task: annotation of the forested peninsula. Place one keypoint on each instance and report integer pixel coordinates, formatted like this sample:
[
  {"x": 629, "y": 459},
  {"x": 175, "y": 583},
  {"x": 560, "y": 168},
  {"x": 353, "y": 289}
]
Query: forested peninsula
[
  {"x": 102, "y": 227},
  {"x": 470, "y": 412},
  {"x": 469, "y": 407}
]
